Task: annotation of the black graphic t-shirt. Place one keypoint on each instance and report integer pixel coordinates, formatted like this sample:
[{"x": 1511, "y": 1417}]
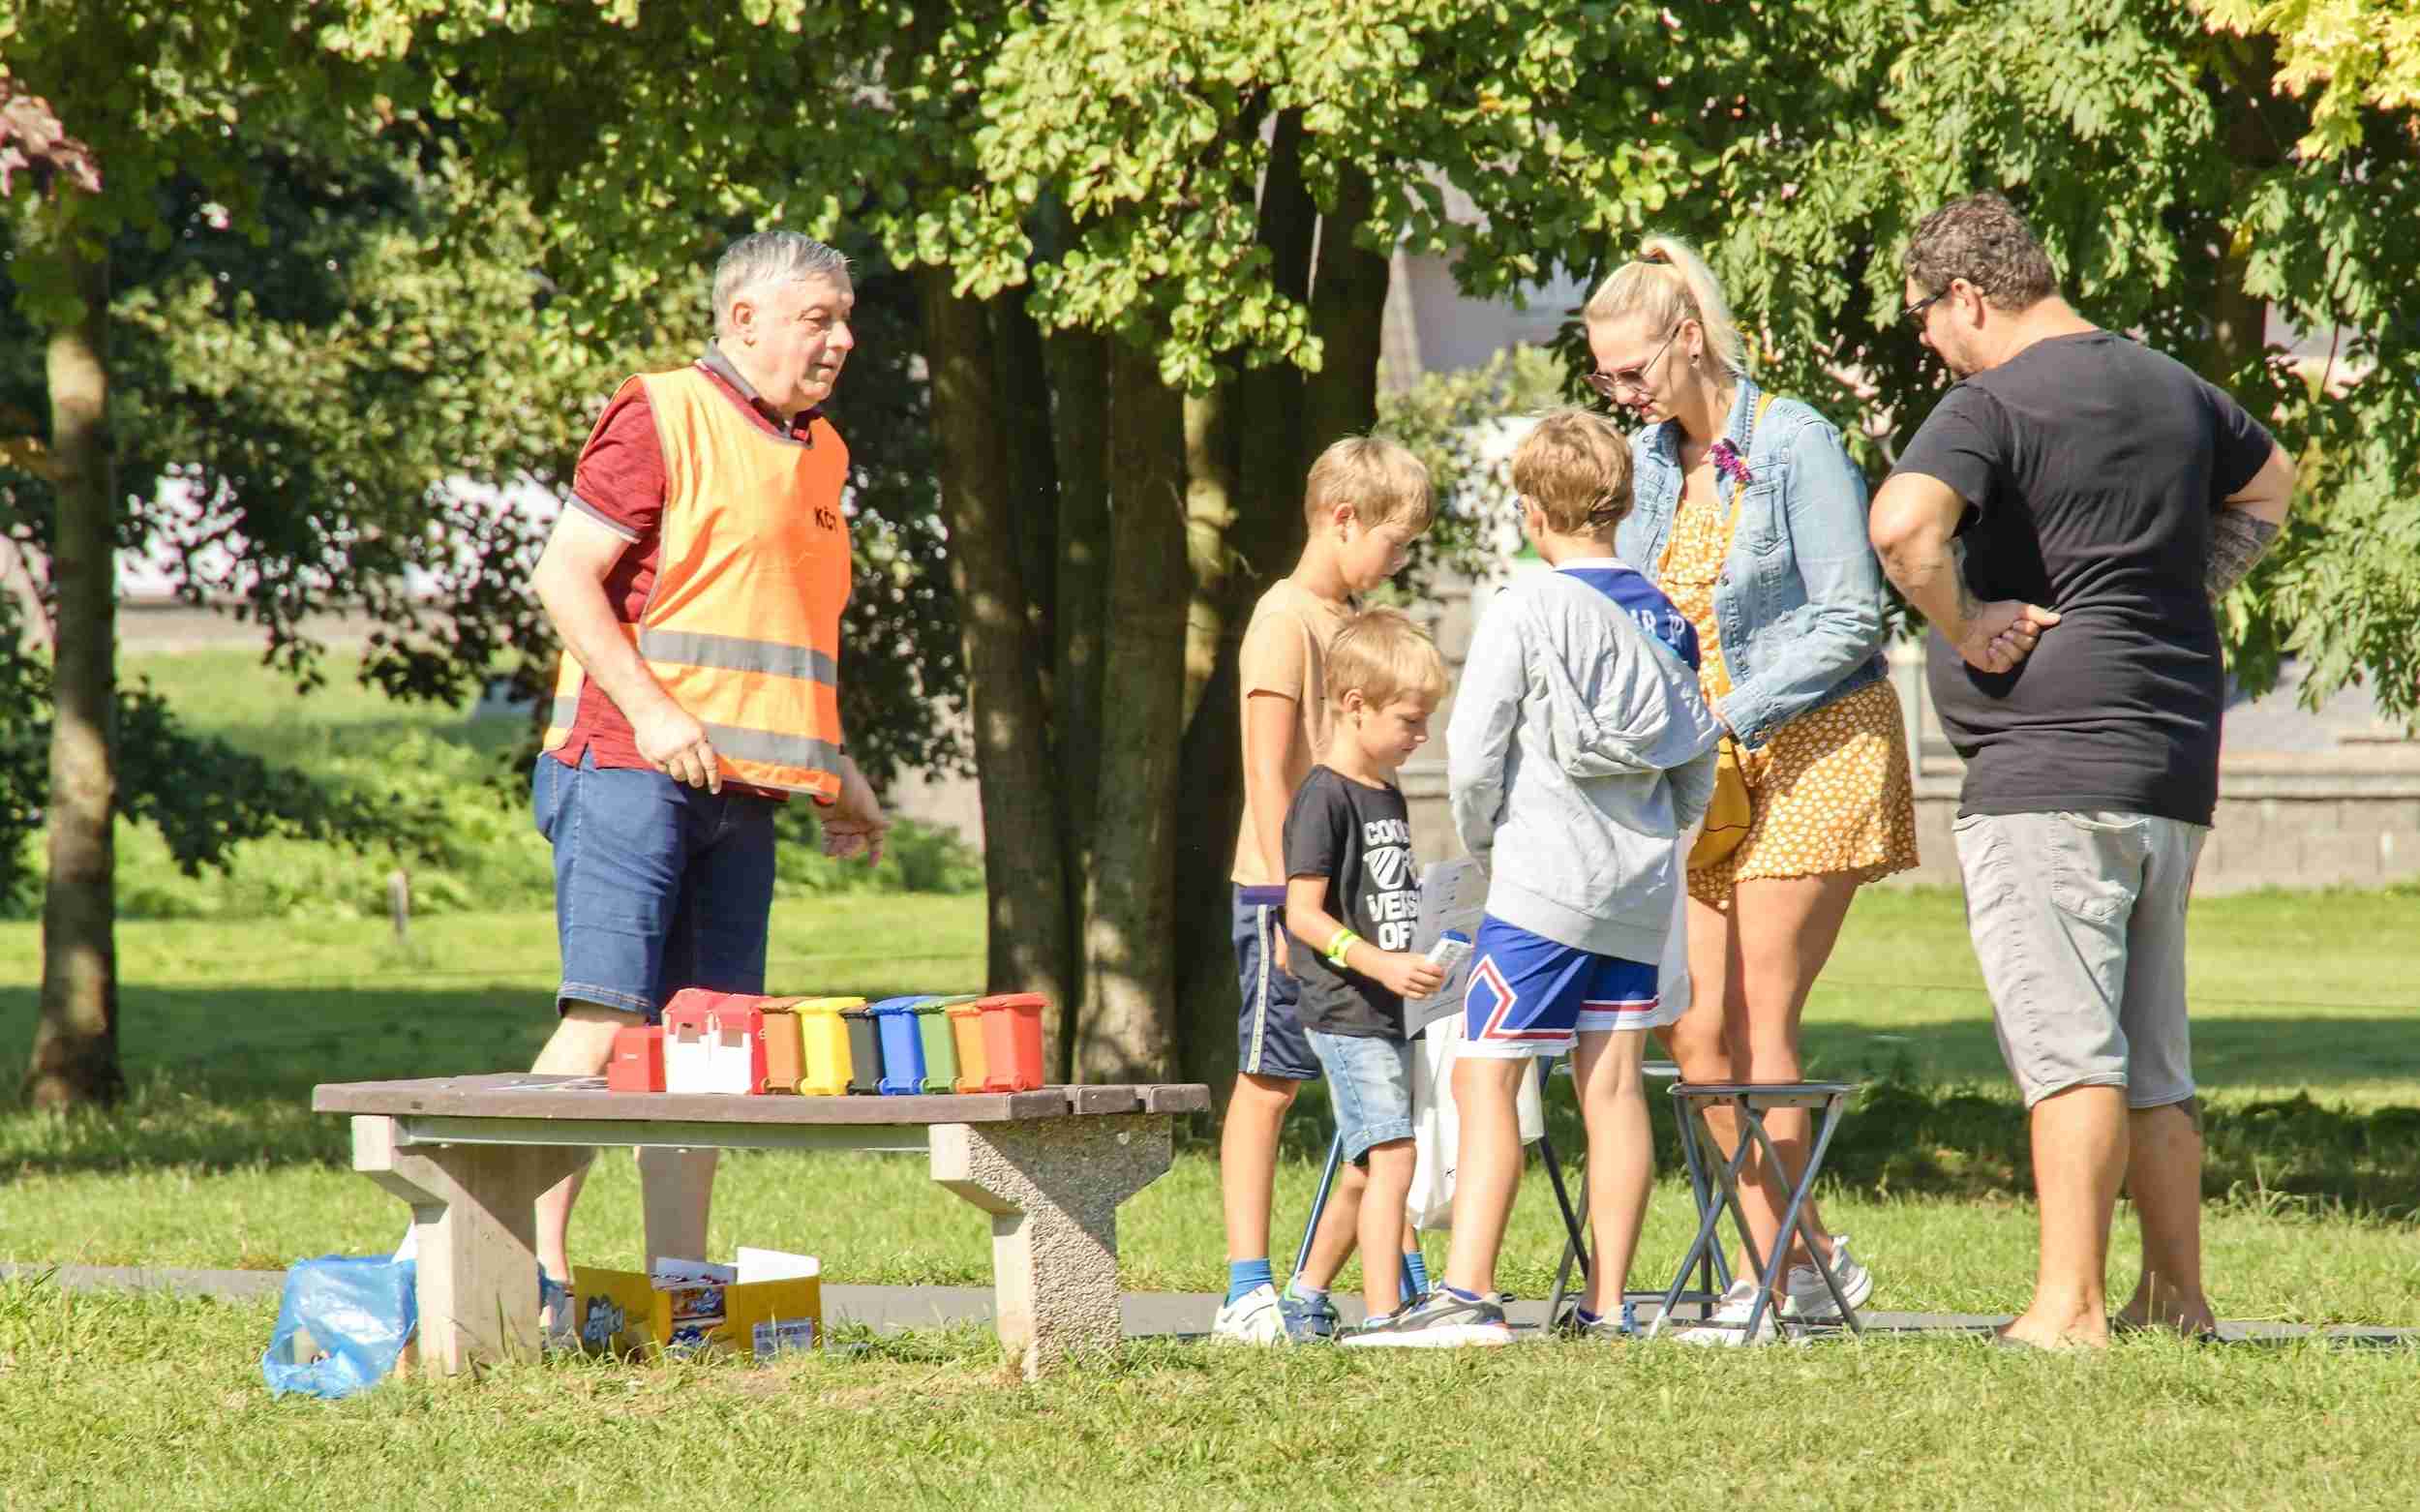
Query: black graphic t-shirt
[{"x": 1360, "y": 838}]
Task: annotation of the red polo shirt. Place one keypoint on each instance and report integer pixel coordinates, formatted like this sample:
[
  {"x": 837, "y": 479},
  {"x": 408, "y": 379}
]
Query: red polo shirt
[{"x": 618, "y": 482}]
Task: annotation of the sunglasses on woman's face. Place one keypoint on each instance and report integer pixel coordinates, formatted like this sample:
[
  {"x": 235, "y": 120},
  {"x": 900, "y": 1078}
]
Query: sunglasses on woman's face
[{"x": 1614, "y": 384}]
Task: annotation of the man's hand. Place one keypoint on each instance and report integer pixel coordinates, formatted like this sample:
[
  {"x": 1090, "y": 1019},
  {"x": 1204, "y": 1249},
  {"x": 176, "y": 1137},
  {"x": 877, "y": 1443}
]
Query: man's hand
[
  {"x": 674, "y": 743},
  {"x": 1277, "y": 950},
  {"x": 1406, "y": 974},
  {"x": 2000, "y": 634},
  {"x": 854, "y": 825}
]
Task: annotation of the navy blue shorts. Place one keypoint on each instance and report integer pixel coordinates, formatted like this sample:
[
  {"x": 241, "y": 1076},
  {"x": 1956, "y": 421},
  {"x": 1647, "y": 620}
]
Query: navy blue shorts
[
  {"x": 658, "y": 886},
  {"x": 1269, "y": 1038},
  {"x": 1531, "y": 996}
]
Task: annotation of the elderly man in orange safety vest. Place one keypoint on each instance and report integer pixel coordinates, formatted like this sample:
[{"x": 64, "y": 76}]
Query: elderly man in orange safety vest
[{"x": 696, "y": 579}]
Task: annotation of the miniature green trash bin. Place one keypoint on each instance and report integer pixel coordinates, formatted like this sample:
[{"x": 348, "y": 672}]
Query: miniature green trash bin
[{"x": 941, "y": 1050}]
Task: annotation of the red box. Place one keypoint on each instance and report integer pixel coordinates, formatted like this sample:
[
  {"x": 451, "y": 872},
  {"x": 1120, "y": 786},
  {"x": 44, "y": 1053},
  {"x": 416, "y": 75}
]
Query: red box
[
  {"x": 638, "y": 1061},
  {"x": 1013, "y": 1041}
]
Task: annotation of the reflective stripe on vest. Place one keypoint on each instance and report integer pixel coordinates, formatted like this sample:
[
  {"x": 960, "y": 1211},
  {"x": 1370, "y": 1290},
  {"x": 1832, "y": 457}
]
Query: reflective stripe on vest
[{"x": 743, "y": 625}]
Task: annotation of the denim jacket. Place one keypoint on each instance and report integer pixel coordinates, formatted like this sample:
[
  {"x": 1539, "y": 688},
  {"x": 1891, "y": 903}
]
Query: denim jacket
[{"x": 1799, "y": 603}]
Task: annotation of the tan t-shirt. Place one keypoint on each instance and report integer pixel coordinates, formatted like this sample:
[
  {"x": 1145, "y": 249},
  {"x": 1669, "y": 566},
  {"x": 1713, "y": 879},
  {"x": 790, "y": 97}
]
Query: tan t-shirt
[{"x": 1285, "y": 649}]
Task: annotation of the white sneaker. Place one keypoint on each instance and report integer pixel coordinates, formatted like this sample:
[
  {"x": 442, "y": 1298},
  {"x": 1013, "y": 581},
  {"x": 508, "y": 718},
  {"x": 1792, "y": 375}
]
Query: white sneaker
[
  {"x": 1808, "y": 1296},
  {"x": 1254, "y": 1318},
  {"x": 1734, "y": 1310}
]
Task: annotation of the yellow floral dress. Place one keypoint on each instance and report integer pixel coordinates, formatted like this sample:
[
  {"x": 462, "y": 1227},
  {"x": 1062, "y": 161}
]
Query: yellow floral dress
[{"x": 1830, "y": 791}]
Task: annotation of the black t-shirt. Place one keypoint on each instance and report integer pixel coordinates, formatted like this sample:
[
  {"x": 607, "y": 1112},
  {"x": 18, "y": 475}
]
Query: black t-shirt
[
  {"x": 2091, "y": 467},
  {"x": 1360, "y": 838}
]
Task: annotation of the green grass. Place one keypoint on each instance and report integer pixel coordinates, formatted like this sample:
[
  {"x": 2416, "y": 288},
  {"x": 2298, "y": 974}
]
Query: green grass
[{"x": 153, "y": 1402}]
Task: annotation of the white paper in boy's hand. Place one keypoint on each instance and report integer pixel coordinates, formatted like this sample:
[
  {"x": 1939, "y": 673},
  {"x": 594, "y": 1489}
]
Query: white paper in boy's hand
[{"x": 1453, "y": 895}]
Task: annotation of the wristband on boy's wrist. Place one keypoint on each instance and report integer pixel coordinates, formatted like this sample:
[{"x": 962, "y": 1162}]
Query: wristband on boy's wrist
[{"x": 1339, "y": 943}]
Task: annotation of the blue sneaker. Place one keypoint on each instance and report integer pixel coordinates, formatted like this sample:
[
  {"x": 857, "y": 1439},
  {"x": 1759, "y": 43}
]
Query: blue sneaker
[
  {"x": 1308, "y": 1320},
  {"x": 554, "y": 1325}
]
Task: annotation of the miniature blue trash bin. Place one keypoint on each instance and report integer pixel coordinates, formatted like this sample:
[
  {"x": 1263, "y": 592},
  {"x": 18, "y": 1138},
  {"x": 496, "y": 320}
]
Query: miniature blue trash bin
[{"x": 902, "y": 1046}]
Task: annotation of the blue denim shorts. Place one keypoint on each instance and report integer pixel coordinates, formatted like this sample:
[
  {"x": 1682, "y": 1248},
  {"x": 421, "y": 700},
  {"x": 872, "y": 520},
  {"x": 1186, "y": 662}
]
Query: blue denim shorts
[
  {"x": 1370, "y": 1087},
  {"x": 1268, "y": 1031},
  {"x": 658, "y": 886}
]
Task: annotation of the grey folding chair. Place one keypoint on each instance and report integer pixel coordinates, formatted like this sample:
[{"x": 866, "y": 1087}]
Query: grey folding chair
[{"x": 1750, "y": 1101}]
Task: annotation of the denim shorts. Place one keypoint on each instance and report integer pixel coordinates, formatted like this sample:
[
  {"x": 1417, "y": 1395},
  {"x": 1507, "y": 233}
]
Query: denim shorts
[
  {"x": 1268, "y": 1031},
  {"x": 1370, "y": 1087},
  {"x": 2078, "y": 921},
  {"x": 658, "y": 886}
]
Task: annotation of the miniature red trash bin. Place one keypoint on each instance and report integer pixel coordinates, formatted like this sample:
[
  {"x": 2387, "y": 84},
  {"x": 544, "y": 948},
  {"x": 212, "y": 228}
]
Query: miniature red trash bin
[
  {"x": 1012, "y": 1041},
  {"x": 638, "y": 1059}
]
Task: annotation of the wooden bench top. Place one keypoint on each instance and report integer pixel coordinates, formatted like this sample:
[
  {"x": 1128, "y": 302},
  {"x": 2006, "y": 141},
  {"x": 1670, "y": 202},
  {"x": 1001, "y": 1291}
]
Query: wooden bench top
[{"x": 528, "y": 1095}]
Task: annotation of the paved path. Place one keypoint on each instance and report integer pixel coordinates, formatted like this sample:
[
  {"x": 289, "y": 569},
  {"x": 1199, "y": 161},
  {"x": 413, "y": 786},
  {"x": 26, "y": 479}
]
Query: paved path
[{"x": 1147, "y": 1314}]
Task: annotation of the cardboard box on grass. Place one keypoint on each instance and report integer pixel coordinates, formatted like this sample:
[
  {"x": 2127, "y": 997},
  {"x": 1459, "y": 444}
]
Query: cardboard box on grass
[{"x": 769, "y": 1302}]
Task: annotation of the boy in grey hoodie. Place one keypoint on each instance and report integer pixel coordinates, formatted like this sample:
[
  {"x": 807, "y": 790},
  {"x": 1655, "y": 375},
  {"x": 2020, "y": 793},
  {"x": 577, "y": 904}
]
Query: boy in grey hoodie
[{"x": 1578, "y": 753}]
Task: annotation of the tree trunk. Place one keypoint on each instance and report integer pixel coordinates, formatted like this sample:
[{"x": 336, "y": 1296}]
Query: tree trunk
[
  {"x": 1024, "y": 878},
  {"x": 1347, "y": 307},
  {"x": 1033, "y": 473},
  {"x": 1210, "y": 509},
  {"x": 1079, "y": 365},
  {"x": 76, "y": 1044},
  {"x": 1259, "y": 543},
  {"x": 1130, "y": 923},
  {"x": 2239, "y": 321}
]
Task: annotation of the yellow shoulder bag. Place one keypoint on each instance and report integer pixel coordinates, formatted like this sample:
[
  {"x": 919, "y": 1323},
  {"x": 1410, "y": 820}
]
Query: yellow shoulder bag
[{"x": 1731, "y": 811}]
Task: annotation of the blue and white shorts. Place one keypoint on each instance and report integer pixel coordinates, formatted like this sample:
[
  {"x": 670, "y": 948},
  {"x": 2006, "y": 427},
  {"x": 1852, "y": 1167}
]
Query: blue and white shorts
[{"x": 1530, "y": 995}]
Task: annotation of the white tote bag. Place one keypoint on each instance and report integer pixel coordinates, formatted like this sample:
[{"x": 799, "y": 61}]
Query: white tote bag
[
  {"x": 1672, "y": 977},
  {"x": 1435, "y": 1129}
]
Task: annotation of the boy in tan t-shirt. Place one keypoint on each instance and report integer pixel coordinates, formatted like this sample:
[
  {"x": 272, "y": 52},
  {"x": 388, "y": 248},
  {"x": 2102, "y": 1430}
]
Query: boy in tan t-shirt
[{"x": 1366, "y": 502}]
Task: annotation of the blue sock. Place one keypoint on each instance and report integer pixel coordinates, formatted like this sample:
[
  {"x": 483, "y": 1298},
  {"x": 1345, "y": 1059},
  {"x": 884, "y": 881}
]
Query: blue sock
[
  {"x": 1415, "y": 1281},
  {"x": 1301, "y": 1291},
  {"x": 1588, "y": 1320},
  {"x": 1467, "y": 1297},
  {"x": 1242, "y": 1276}
]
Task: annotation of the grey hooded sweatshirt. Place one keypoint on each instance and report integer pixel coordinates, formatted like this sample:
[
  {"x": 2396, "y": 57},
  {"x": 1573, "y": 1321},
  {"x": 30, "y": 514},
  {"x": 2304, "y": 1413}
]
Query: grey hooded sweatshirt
[{"x": 1578, "y": 753}]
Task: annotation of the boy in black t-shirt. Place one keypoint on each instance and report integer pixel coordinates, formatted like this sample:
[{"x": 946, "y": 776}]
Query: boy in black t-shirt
[{"x": 1352, "y": 900}]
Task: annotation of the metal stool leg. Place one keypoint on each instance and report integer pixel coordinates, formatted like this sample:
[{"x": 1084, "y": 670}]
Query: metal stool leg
[
  {"x": 1714, "y": 1266},
  {"x": 1573, "y": 1233},
  {"x": 1797, "y": 1220},
  {"x": 1319, "y": 1202},
  {"x": 1684, "y": 1102}
]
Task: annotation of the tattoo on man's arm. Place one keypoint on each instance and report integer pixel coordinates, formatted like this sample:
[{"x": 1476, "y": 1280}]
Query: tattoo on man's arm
[
  {"x": 2237, "y": 541},
  {"x": 1969, "y": 606}
]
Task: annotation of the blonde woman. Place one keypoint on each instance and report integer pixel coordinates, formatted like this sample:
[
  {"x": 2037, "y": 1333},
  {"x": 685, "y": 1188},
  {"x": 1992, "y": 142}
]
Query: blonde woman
[{"x": 1751, "y": 517}]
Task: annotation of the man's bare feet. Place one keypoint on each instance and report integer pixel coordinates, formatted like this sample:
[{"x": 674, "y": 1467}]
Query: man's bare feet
[
  {"x": 2155, "y": 1306},
  {"x": 2085, "y": 1331}
]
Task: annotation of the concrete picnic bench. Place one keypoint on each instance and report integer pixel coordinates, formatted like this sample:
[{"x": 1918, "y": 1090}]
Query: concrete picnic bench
[{"x": 471, "y": 1154}]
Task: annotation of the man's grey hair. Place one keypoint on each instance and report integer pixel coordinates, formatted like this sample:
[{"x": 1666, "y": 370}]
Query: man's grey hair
[
  {"x": 1982, "y": 240},
  {"x": 762, "y": 258}
]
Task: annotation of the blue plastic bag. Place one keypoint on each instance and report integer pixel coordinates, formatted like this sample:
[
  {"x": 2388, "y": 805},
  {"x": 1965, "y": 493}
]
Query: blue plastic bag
[{"x": 342, "y": 1325}]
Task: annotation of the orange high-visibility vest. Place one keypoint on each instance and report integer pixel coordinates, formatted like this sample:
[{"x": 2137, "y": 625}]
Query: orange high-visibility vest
[{"x": 743, "y": 625}]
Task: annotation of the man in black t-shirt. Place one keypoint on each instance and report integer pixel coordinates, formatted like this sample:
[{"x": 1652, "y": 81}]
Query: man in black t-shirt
[{"x": 2064, "y": 519}]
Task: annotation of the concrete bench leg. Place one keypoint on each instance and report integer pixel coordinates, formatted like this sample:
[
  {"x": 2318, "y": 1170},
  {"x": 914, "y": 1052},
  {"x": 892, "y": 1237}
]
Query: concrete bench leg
[
  {"x": 476, "y": 1237},
  {"x": 1052, "y": 1188}
]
